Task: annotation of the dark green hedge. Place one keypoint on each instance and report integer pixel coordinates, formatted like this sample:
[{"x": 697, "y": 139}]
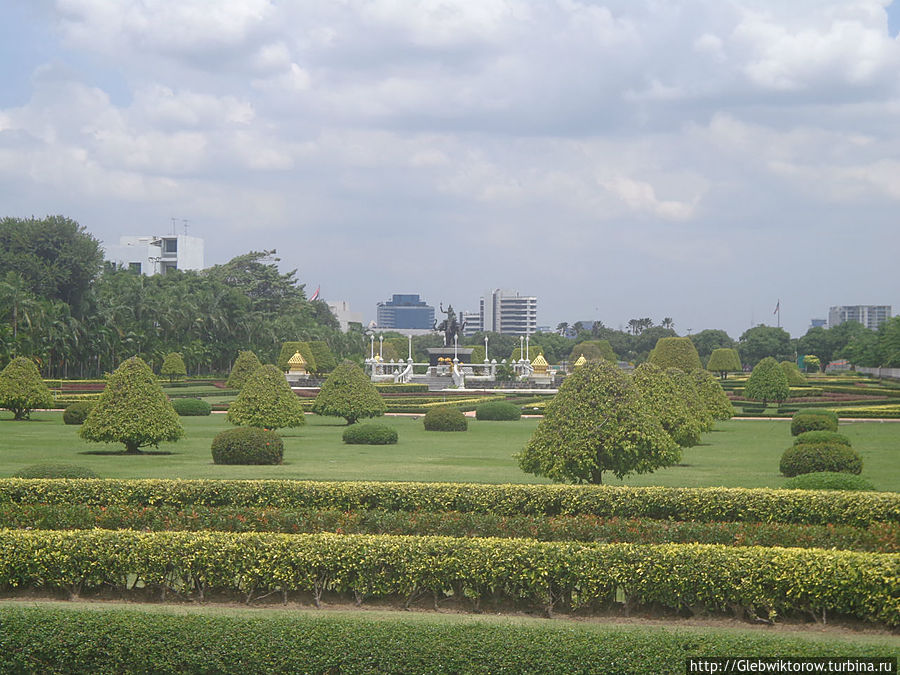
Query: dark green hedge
[
  {"x": 191, "y": 407},
  {"x": 544, "y": 576},
  {"x": 110, "y": 642},
  {"x": 369, "y": 434},
  {"x": 703, "y": 504},
  {"x": 877, "y": 537}
]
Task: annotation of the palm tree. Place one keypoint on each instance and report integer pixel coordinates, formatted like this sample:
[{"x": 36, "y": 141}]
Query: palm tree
[{"x": 668, "y": 323}]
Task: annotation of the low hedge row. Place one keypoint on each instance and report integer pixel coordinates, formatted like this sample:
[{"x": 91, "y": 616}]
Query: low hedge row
[
  {"x": 877, "y": 537},
  {"x": 704, "y": 504},
  {"x": 566, "y": 576},
  {"x": 398, "y": 388},
  {"x": 110, "y": 642},
  {"x": 868, "y": 391}
]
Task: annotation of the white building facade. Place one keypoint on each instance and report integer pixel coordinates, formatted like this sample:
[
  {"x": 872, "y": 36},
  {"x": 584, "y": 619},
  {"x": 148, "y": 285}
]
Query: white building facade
[
  {"x": 157, "y": 254},
  {"x": 870, "y": 316},
  {"x": 507, "y": 312}
]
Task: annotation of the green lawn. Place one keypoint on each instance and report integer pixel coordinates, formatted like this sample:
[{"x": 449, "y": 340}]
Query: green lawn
[{"x": 737, "y": 453}]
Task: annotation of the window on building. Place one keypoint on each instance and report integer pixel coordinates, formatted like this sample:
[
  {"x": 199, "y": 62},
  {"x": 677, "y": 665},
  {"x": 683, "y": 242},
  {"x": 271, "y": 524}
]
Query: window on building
[
  {"x": 170, "y": 245},
  {"x": 134, "y": 267}
]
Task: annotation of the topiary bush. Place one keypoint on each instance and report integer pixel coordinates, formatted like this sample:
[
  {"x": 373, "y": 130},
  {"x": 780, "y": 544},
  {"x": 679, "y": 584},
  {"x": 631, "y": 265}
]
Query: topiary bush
[
  {"x": 244, "y": 366},
  {"x": 191, "y": 407},
  {"x": 445, "y": 418},
  {"x": 267, "y": 401},
  {"x": 793, "y": 374},
  {"x": 349, "y": 393},
  {"x": 53, "y": 470},
  {"x": 247, "y": 445},
  {"x": 22, "y": 389},
  {"x": 370, "y": 434},
  {"x": 173, "y": 366},
  {"x": 767, "y": 382},
  {"x": 822, "y": 437},
  {"x": 813, "y": 457},
  {"x": 502, "y": 411},
  {"x": 76, "y": 413},
  {"x": 813, "y": 421},
  {"x": 828, "y": 480},
  {"x": 675, "y": 352}
]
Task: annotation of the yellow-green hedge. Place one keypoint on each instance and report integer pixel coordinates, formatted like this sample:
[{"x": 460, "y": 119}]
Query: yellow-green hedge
[
  {"x": 702, "y": 504},
  {"x": 752, "y": 581}
]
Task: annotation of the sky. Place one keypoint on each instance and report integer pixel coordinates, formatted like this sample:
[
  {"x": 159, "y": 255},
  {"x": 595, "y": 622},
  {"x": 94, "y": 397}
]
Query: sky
[{"x": 695, "y": 159}]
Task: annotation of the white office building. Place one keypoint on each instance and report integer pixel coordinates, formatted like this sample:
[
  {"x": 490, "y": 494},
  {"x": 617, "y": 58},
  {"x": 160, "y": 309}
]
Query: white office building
[
  {"x": 157, "y": 254},
  {"x": 870, "y": 316},
  {"x": 505, "y": 311}
]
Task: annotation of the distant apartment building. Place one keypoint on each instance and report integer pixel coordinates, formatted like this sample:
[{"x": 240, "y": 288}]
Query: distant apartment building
[
  {"x": 870, "y": 316},
  {"x": 472, "y": 322},
  {"x": 157, "y": 254},
  {"x": 343, "y": 313},
  {"x": 405, "y": 311},
  {"x": 505, "y": 311},
  {"x": 818, "y": 323}
]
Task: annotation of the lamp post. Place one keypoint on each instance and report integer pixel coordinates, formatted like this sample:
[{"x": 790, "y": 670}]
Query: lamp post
[
  {"x": 409, "y": 354},
  {"x": 372, "y": 349},
  {"x": 456, "y": 347},
  {"x": 485, "y": 349},
  {"x": 521, "y": 349},
  {"x": 527, "y": 348},
  {"x": 381, "y": 346}
]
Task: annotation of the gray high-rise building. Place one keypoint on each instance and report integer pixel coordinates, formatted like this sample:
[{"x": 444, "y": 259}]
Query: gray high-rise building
[
  {"x": 870, "y": 316},
  {"x": 405, "y": 310},
  {"x": 507, "y": 312}
]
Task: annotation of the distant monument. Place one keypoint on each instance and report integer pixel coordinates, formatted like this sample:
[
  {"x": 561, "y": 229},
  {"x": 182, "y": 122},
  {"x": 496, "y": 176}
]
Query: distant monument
[{"x": 449, "y": 326}]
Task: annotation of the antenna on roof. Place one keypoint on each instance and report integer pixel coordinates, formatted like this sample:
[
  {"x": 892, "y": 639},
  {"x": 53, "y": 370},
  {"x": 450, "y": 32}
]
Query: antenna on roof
[{"x": 184, "y": 222}]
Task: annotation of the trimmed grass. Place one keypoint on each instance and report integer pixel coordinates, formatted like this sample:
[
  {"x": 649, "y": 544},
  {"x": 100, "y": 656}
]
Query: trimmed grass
[{"x": 736, "y": 454}]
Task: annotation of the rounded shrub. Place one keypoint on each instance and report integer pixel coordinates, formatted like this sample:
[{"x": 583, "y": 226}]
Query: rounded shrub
[
  {"x": 445, "y": 418},
  {"x": 370, "y": 434},
  {"x": 805, "y": 421},
  {"x": 828, "y": 480},
  {"x": 502, "y": 411},
  {"x": 814, "y": 457},
  {"x": 822, "y": 437},
  {"x": 191, "y": 407},
  {"x": 247, "y": 445},
  {"x": 76, "y": 413},
  {"x": 54, "y": 470}
]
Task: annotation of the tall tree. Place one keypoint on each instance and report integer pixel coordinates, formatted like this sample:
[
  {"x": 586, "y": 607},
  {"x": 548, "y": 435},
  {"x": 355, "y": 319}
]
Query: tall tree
[
  {"x": 761, "y": 341},
  {"x": 707, "y": 341},
  {"x": 597, "y": 423}
]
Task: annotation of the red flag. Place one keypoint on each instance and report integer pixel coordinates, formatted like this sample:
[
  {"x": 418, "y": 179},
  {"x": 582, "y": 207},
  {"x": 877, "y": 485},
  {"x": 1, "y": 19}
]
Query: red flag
[
  {"x": 315, "y": 296},
  {"x": 777, "y": 305}
]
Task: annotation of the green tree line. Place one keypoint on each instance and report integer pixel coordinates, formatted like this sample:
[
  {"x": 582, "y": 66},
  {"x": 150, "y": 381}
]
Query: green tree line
[{"x": 77, "y": 316}]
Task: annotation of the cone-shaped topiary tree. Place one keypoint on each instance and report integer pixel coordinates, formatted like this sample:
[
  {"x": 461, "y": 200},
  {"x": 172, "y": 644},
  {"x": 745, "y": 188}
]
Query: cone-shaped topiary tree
[
  {"x": 688, "y": 392},
  {"x": 794, "y": 376},
  {"x": 675, "y": 352},
  {"x": 723, "y": 361},
  {"x": 663, "y": 398},
  {"x": 767, "y": 382},
  {"x": 267, "y": 401},
  {"x": 244, "y": 366},
  {"x": 597, "y": 423},
  {"x": 22, "y": 389},
  {"x": 133, "y": 409},
  {"x": 717, "y": 403},
  {"x": 349, "y": 393},
  {"x": 173, "y": 366}
]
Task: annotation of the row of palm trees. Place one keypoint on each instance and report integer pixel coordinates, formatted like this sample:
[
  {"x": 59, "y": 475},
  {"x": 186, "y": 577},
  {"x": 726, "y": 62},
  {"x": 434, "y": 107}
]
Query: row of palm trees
[{"x": 204, "y": 319}]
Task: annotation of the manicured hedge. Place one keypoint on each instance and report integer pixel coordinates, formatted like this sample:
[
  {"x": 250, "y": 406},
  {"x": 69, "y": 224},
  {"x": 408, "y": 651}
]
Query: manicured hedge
[
  {"x": 822, "y": 437},
  {"x": 445, "y": 418},
  {"x": 247, "y": 445},
  {"x": 877, "y": 537},
  {"x": 76, "y": 413},
  {"x": 191, "y": 407},
  {"x": 398, "y": 388},
  {"x": 749, "y": 581},
  {"x": 498, "y": 411},
  {"x": 813, "y": 420},
  {"x": 369, "y": 434},
  {"x": 55, "y": 470},
  {"x": 828, "y": 480},
  {"x": 813, "y": 457},
  {"x": 109, "y": 642},
  {"x": 703, "y": 504}
]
